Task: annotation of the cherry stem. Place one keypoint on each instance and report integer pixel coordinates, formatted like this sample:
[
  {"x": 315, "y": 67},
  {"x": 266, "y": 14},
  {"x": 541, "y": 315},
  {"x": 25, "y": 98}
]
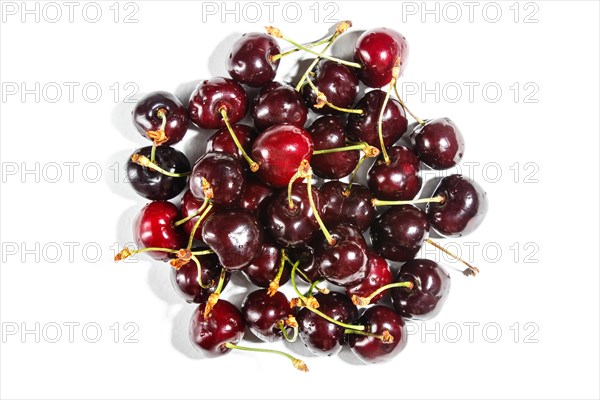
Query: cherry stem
[
  {"x": 299, "y": 174},
  {"x": 348, "y": 189},
  {"x": 293, "y": 279},
  {"x": 472, "y": 270},
  {"x": 253, "y": 165},
  {"x": 214, "y": 297},
  {"x": 191, "y": 216},
  {"x": 322, "y": 101},
  {"x": 370, "y": 151},
  {"x": 334, "y": 321},
  {"x": 419, "y": 120},
  {"x": 386, "y": 158},
  {"x": 145, "y": 162},
  {"x": 127, "y": 252},
  {"x": 328, "y": 237},
  {"x": 281, "y": 326},
  {"x": 202, "y": 252},
  {"x": 199, "y": 266},
  {"x": 298, "y": 364},
  {"x": 313, "y": 286},
  {"x": 153, "y": 153},
  {"x": 287, "y": 259},
  {"x": 437, "y": 199},
  {"x": 292, "y": 51},
  {"x": 196, "y": 225},
  {"x": 315, "y": 61},
  {"x": 274, "y": 284},
  {"x": 364, "y": 301}
]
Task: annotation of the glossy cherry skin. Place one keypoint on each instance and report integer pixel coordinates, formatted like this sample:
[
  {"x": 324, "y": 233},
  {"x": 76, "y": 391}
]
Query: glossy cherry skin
[
  {"x": 431, "y": 286},
  {"x": 225, "y": 175},
  {"x": 154, "y": 185},
  {"x": 145, "y": 116},
  {"x": 398, "y": 180},
  {"x": 250, "y": 59},
  {"x": 378, "y": 319},
  {"x": 185, "y": 279},
  {"x": 344, "y": 263},
  {"x": 354, "y": 208},
  {"x": 328, "y": 133},
  {"x": 399, "y": 232},
  {"x": 153, "y": 227},
  {"x": 439, "y": 143},
  {"x": 221, "y": 140},
  {"x": 262, "y": 314},
  {"x": 364, "y": 127},
  {"x": 337, "y": 82},
  {"x": 215, "y": 94},
  {"x": 189, "y": 206},
  {"x": 464, "y": 208},
  {"x": 235, "y": 236},
  {"x": 305, "y": 255},
  {"x": 277, "y": 104},
  {"x": 256, "y": 197},
  {"x": 379, "y": 275},
  {"x": 321, "y": 336},
  {"x": 223, "y": 325},
  {"x": 279, "y": 151},
  {"x": 292, "y": 227},
  {"x": 378, "y": 50},
  {"x": 264, "y": 267}
]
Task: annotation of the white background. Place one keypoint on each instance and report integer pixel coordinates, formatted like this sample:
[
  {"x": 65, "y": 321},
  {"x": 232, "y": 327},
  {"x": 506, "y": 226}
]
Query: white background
[{"x": 547, "y": 280}]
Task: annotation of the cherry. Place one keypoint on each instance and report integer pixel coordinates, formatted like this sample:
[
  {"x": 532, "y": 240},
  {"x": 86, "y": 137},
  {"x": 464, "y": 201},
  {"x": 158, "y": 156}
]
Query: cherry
[
  {"x": 340, "y": 206},
  {"x": 211, "y": 333},
  {"x": 379, "y": 319},
  {"x": 221, "y": 140},
  {"x": 235, "y": 236},
  {"x": 185, "y": 279},
  {"x": 161, "y": 117},
  {"x": 153, "y": 227},
  {"x": 438, "y": 143},
  {"x": 320, "y": 336},
  {"x": 292, "y": 227},
  {"x": 337, "y": 82},
  {"x": 250, "y": 61},
  {"x": 276, "y": 104},
  {"x": 189, "y": 208},
  {"x": 155, "y": 185},
  {"x": 379, "y": 275},
  {"x": 398, "y": 180},
  {"x": 305, "y": 256},
  {"x": 328, "y": 133},
  {"x": 364, "y": 127},
  {"x": 399, "y": 232},
  {"x": 265, "y": 314},
  {"x": 431, "y": 286},
  {"x": 214, "y": 96},
  {"x": 219, "y": 177},
  {"x": 264, "y": 268},
  {"x": 345, "y": 262},
  {"x": 463, "y": 209},
  {"x": 256, "y": 197},
  {"x": 378, "y": 51},
  {"x": 279, "y": 151}
]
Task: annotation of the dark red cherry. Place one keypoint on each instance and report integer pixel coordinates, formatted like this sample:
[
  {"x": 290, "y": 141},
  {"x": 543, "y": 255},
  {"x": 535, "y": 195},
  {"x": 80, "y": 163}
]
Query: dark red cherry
[
  {"x": 279, "y": 151},
  {"x": 224, "y": 174},
  {"x": 154, "y": 185},
  {"x": 262, "y": 314},
  {"x": 189, "y": 206},
  {"x": 399, "y": 232},
  {"x": 398, "y": 180},
  {"x": 305, "y": 256},
  {"x": 265, "y": 266},
  {"x": 364, "y": 127},
  {"x": 353, "y": 208},
  {"x": 223, "y": 325},
  {"x": 277, "y": 104},
  {"x": 235, "y": 236},
  {"x": 221, "y": 140},
  {"x": 378, "y": 319},
  {"x": 379, "y": 275},
  {"x": 146, "y": 116},
  {"x": 256, "y": 197},
  {"x": 337, "y": 82},
  {"x": 378, "y": 50},
  {"x": 328, "y": 133},
  {"x": 320, "y": 336},
  {"x": 431, "y": 286},
  {"x": 213, "y": 95},
  {"x": 439, "y": 143},
  {"x": 463, "y": 209},
  {"x": 153, "y": 227},
  {"x": 185, "y": 279},
  {"x": 250, "y": 60},
  {"x": 293, "y": 227},
  {"x": 345, "y": 262}
]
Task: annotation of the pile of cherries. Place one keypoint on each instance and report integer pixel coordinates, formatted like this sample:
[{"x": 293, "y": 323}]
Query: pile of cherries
[{"x": 250, "y": 205}]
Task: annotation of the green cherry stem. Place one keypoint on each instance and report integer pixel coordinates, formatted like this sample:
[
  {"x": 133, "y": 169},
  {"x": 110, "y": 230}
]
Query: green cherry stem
[
  {"x": 197, "y": 224},
  {"x": 364, "y": 301},
  {"x": 437, "y": 199},
  {"x": 145, "y": 162},
  {"x": 127, "y": 252},
  {"x": 298, "y": 364},
  {"x": 295, "y": 50},
  {"x": 253, "y": 165},
  {"x": 214, "y": 297},
  {"x": 199, "y": 266},
  {"x": 369, "y": 151},
  {"x": 191, "y": 216}
]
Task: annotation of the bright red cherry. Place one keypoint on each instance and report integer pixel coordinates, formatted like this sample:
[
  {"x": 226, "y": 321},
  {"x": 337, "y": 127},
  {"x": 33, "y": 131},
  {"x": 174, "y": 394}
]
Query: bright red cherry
[
  {"x": 276, "y": 104},
  {"x": 398, "y": 180},
  {"x": 439, "y": 143},
  {"x": 379, "y": 275},
  {"x": 158, "y": 109},
  {"x": 223, "y": 325},
  {"x": 153, "y": 227},
  {"x": 213, "y": 96},
  {"x": 250, "y": 61}
]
